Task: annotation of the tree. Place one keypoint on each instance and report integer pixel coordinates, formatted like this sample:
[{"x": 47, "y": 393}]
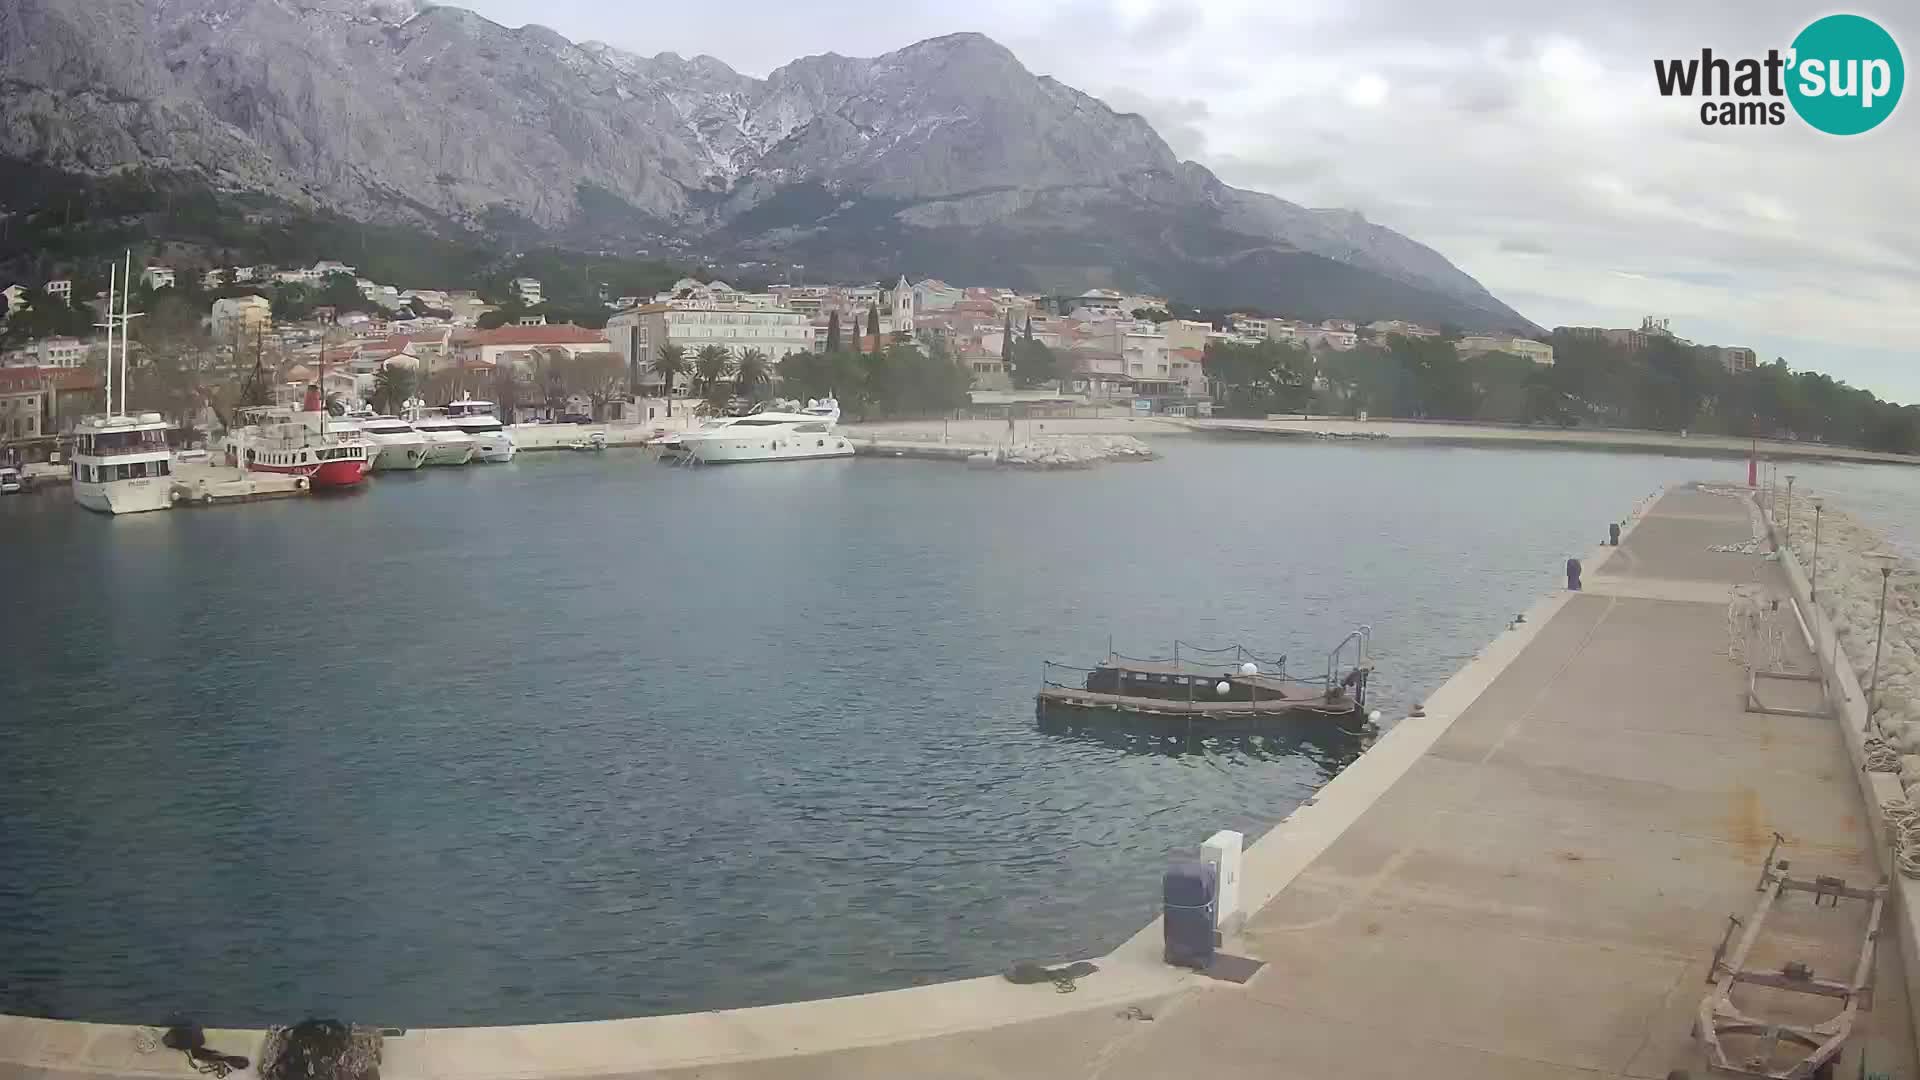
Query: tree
[
  {"x": 710, "y": 367},
  {"x": 1028, "y": 336},
  {"x": 1032, "y": 364},
  {"x": 752, "y": 373},
  {"x": 1006, "y": 342},
  {"x": 1257, "y": 378},
  {"x": 670, "y": 362},
  {"x": 393, "y": 384},
  {"x": 833, "y": 331},
  {"x": 873, "y": 325}
]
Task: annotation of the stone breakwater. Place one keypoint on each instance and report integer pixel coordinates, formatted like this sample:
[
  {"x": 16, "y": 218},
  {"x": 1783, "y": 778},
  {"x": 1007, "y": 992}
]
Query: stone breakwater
[
  {"x": 1847, "y": 588},
  {"x": 1071, "y": 452}
]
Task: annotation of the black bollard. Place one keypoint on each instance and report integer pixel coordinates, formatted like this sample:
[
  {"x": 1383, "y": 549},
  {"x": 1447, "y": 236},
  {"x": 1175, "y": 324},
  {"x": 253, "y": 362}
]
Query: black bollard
[
  {"x": 1573, "y": 575},
  {"x": 1613, "y": 535}
]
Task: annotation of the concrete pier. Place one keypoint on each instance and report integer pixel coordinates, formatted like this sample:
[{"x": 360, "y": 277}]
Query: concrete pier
[{"x": 1527, "y": 881}]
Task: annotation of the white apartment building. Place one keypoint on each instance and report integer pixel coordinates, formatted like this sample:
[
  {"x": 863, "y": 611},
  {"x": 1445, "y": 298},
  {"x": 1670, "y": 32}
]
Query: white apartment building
[
  {"x": 213, "y": 278},
  {"x": 61, "y": 352},
  {"x": 61, "y": 289},
  {"x": 239, "y": 318},
  {"x": 1481, "y": 344},
  {"x": 775, "y": 330},
  {"x": 157, "y": 277},
  {"x": 528, "y": 290}
]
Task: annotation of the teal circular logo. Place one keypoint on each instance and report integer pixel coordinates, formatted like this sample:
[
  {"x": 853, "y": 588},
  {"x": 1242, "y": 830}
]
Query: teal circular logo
[{"x": 1846, "y": 74}]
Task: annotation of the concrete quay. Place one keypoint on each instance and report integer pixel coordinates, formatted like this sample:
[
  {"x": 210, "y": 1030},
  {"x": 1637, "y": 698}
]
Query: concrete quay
[{"x": 1528, "y": 880}]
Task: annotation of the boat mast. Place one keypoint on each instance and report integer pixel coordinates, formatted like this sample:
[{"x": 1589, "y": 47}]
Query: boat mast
[
  {"x": 126, "y": 327},
  {"x": 112, "y": 279}
]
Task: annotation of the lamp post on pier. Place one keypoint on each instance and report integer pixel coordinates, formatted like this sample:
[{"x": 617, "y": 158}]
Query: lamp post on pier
[
  {"x": 1884, "y": 560},
  {"x": 1813, "y": 583},
  {"x": 1789, "y": 533}
]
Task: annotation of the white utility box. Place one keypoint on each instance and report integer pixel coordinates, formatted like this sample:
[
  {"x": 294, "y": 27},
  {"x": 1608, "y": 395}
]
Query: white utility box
[{"x": 1222, "y": 852}]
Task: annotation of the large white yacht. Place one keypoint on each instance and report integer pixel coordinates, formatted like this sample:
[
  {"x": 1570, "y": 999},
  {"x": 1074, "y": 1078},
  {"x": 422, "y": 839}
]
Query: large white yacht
[
  {"x": 121, "y": 464},
  {"x": 491, "y": 440},
  {"x": 447, "y": 442},
  {"x": 400, "y": 447},
  {"x": 765, "y": 436}
]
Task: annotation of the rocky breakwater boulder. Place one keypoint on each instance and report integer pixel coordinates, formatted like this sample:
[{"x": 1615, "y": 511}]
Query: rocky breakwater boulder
[
  {"x": 1847, "y": 585},
  {"x": 1068, "y": 452}
]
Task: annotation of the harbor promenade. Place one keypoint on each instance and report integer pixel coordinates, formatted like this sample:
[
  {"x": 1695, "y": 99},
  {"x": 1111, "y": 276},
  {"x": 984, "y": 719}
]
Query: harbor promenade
[{"x": 1527, "y": 880}]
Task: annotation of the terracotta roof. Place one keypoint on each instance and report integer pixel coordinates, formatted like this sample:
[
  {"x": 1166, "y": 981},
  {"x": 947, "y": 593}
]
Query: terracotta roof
[
  {"x": 19, "y": 380},
  {"x": 558, "y": 334},
  {"x": 73, "y": 378}
]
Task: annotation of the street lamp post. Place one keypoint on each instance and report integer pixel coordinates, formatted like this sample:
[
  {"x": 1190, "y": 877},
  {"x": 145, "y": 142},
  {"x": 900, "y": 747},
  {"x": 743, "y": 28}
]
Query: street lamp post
[
  {"x": 1885, "y": 560},
  {"x": 1790, "y": 477},
  {"x": 1813, "y": 583}
]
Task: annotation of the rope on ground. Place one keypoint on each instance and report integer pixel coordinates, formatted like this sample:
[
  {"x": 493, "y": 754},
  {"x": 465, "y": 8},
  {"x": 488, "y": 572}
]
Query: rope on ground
[
  {"x": 1903, "y": 821},
  {"x": 1880, "y": 756}
]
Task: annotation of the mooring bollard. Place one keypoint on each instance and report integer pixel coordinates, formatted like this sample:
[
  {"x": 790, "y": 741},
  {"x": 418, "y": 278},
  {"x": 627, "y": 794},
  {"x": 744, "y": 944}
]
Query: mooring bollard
[
  {"x": 1187, "y": 905},
  {"x": 1573, "y": 575},
  {"x": 1613, "y": 535}
]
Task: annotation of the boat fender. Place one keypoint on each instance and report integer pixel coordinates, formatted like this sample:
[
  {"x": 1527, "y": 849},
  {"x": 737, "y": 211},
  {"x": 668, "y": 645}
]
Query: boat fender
[{"x": 300, "y": 483}]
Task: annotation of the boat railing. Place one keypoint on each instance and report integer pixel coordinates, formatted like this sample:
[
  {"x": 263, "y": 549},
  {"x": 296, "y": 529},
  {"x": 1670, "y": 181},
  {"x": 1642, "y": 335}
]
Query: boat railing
[
  {"x": 1361, "y": 642},
  {"x": 1047, "y": 668}
]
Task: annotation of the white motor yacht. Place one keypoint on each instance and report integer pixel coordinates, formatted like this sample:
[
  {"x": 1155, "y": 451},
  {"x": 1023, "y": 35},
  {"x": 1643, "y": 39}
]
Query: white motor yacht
[
  {"x": 121, "y": 464},
  {"x": 491, "y": 440},
  {"x": 399, "y": 445},
  {"x": 447, "y": 442},
  {"x": 765, "y": 436}
]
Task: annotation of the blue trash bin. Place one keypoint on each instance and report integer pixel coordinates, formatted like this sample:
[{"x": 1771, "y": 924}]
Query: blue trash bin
[{"x": 1188, "y": 897}]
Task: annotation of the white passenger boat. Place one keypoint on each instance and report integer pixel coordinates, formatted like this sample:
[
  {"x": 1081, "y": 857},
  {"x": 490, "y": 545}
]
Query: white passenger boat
[
  {"x": 491, "y": 439},
  {"x": 122, "y": 464}
]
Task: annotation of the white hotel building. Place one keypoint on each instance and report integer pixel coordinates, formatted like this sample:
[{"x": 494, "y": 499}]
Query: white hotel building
[{"x": 732, "y": 320}]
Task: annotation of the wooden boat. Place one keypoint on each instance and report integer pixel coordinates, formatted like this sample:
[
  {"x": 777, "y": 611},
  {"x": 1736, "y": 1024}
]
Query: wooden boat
[{"x": 1213, "y": 686}]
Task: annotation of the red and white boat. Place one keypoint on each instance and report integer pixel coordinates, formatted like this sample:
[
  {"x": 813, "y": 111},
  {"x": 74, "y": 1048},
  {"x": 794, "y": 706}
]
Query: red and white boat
[{"x": 301, "y": 442}]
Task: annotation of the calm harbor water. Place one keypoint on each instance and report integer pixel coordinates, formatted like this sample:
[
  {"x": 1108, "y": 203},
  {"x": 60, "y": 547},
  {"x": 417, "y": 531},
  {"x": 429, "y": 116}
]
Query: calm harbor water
[{"x": 582, "y": 736}]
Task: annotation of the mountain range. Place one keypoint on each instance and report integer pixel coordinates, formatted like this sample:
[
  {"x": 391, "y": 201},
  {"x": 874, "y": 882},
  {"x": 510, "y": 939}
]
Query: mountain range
[{"x": 945, "y": 158}]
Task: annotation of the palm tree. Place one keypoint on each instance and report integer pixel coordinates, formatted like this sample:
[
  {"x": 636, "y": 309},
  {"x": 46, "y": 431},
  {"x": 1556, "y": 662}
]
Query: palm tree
[
  {"x": 752, "y": 373},
  {"x": 669, "y": 363},
  {"x": 392, "y": 386},
  {"x": 710, "y": 366}
]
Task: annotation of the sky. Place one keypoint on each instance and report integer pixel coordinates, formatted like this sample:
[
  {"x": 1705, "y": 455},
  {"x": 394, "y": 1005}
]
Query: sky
[{"x": 1523, "y": 139}]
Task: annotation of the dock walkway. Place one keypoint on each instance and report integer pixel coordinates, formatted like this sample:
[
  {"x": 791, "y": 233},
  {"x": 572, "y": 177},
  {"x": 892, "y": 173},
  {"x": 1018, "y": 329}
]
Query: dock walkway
[
  {"x": 1528, "y": 881},
  {"x": 1540, "y": 894}
]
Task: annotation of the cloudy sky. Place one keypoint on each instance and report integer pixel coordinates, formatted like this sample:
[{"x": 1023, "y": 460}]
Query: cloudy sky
[{"x": 1524, "y": 139}]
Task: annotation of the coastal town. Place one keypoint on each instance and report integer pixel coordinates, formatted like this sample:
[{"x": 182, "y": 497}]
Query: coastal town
[{"x": 697, "y": 345}]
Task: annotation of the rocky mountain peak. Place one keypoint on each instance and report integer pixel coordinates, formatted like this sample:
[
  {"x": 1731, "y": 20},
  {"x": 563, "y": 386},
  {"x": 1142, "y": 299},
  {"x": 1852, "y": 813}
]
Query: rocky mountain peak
[{"x": 405, "y": 110}]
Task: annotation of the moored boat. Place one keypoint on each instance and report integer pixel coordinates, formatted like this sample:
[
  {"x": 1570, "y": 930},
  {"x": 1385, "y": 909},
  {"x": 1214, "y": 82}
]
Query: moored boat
[
  {"x": 304, "y": 443},
  {"x": 122, "y": 464},
  {"x": 778, "y": 434},
  {"x": 395, "y": 443},
  {"x": 492, "y": 442},
  {"x": 1226, "y": 686}
]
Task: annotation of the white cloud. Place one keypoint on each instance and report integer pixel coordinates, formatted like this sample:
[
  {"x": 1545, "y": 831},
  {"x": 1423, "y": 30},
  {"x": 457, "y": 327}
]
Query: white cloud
[{"x": 1525, "y": 141}]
